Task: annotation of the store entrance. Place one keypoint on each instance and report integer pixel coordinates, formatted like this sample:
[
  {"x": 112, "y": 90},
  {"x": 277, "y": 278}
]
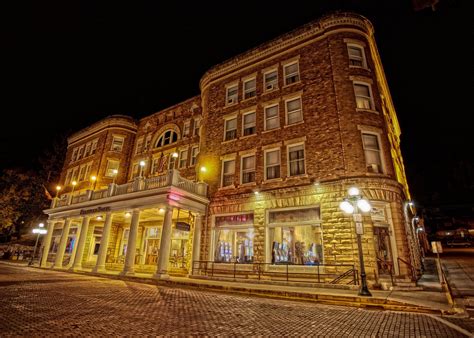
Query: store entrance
[
  {"x": 383, "y": 250},
  {"x": 179, "y": 257}
]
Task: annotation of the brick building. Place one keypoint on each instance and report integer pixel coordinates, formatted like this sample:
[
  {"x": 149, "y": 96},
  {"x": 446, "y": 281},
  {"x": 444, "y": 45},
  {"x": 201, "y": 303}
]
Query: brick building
[{"x": 249, "y": 174}]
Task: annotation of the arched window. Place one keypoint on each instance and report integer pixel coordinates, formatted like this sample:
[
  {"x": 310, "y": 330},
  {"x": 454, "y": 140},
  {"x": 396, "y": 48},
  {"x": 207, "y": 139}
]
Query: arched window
[{"x": 166, "y": 138}]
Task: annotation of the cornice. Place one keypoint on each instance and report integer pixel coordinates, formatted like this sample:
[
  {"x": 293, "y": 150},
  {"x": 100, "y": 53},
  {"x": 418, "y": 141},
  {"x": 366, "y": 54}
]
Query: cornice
[{"x": 297, "y": 36}]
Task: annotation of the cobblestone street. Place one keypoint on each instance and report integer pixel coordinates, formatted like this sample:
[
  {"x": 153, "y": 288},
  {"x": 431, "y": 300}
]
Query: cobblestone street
[{"x": 39, "y": 302}]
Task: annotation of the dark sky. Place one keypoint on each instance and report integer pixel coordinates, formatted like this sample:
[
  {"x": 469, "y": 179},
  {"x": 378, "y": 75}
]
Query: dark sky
[{"x": 67, "y": 65}]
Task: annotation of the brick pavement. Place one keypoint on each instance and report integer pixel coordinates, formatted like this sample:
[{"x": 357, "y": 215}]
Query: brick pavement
[{"x": 39, "y": 302}]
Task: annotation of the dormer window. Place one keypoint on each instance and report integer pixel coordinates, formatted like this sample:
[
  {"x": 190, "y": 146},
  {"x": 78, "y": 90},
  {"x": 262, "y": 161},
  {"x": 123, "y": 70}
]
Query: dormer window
[{"x": 166, "y": 138}]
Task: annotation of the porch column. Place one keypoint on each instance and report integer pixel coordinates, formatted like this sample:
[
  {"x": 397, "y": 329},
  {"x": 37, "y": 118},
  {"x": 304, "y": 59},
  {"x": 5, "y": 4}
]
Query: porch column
[
  {"x": 165, "y": 243},
  {"x": 58, "y": 262},
  {"x": 104, "y": 242},
  {"x": 129, "y": 268},
  {"x": 77, "y": 264},
  {"x": 47, "y": 243},
  {"x": 197, "y": 238},
  {"x": 142, "y": 246}
]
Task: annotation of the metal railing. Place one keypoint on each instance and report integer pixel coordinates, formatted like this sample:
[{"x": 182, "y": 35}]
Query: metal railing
[
  {"x": 414, "y": 276},
  {"x": 322, "y": 273},
  {"x": 98, "y": 194}
]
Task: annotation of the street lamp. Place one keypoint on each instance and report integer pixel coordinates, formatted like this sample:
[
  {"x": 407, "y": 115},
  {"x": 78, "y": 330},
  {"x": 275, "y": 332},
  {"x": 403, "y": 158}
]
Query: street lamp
[
  {"x": 351, "y": 205},
  {"x": 74, "y": 183},
  {"x": 142, "y": 165},
  {"x": 39, "y": 231},
  {"x": 58, "y": 187},
  {"x": 115, "y": 172},
  {"x": 93, "y": 180}
]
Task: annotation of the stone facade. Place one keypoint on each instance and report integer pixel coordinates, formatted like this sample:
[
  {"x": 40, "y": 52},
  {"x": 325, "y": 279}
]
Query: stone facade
[{"x": 317, "y": 99}]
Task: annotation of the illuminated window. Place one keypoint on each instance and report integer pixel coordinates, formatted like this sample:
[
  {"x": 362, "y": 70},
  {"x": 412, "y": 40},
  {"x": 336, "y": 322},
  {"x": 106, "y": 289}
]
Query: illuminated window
[
  {"x": 356, "y": 55},
  {"x": 270, "y": 80},
  {"x": 228, "y": 172},
  {"x": 250, "y": 88},
  {"x": 363, "y": 96},
  {"x": 232, "y": 93},
  {"x": 248, "y": 169},
  {"x": 186, "y": 128},
  {"x": 233, "y": 238},
  {"x": 249, "y": 124},
  {"x": 194, "y": 154},
  {"x": 272, "y": 117},
  {"x": 111, "y": 166},
  {"x": 183, "y": 158},
  {"x": 272, "y": 164},
  {"x": 296, "y": 160},
  {"x": 166, "y": 138},
  {"x": 291, "y": 73},
  {"x": 372, "y": 153},
  {"x": 293, "y": 111},
  {"x": 117, "y": 143},
  {"x": 230, "y": 131}
]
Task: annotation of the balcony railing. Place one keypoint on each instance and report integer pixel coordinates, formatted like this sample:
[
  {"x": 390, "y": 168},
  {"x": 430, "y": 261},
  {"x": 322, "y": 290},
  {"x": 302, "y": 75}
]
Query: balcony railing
[{"x": 172, "y": 178}]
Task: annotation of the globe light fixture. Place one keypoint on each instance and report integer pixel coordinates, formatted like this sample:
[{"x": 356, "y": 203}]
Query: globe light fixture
[
  {"x": 347, "y": 207},
  {"x": 203, "y": 169},
  {"x": 353, "y": 191},
  {"x": 175, "y": 155},
  {"x": 364, "y": 205},
  {"x": 114, "y": 172},
  {"x": 39, "y": 231}
]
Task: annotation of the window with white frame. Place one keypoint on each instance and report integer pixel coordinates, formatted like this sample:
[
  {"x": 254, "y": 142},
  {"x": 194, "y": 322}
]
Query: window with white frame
[
  {"x": 194, "y": 154},
  {"x": 248, "y": 169},
  {"x": 75, "y": 173},
  {"x": 228, "y": 172},
  {"x": 232, "y": 93},
  {"x": 373, "y": 158},
  {"x": 147, "y": 142},
  {"x": 356, "y": 55},
  {"x": 250, "y": 88},
  {"x": 88, "y": 170},
  {"x": 135, "y": 170},
  {"x": 230, "y": 129},
  {"x": 183, "y": 158},
  {"x": 291, "y": 73},
  {"x": 293, "y": 111},
  {"x": 68, "y": 177},
  {"x": 168, "y": 137},
  {"x": 270, "y": 80},
  {"x": 88, "y": 150},
  {"x": 363, "y": 96},
  {"x": 186, "y": 128},
  {"x": 272, "y": 117},
  {"x": 74, "y": 155},
  {"x": 155, "y": 164},
  {"x": 272, "y": 164},
  {"x": 117, "y": 143},
  {"x": 139, "y": 146},
  {"x": 80, "y": 152},
  {"x": 112, "y": 165},
  {"x": 197, "y": 127},
  {"x": 296, "y": 160},
  {"x": 249, "y": 124},
  {"x": 82, "y": 173},
  {"x": 94, "y": 146}
]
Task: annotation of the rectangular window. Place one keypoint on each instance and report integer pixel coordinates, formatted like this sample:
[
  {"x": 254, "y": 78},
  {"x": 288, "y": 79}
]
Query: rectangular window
[
  {"x": 250, "y": 88},
  {"x": 272, "y": 164},
  {"x": 88, "y": 150},
  {"x": 171, "y": 161},
  {"x": 270, "y": 80},
  {"x": 117, "y": 143},
  {"x": 363, "y": 97},
  {"x": 230, "y": 132},
  {"x": 147, "y": 143},
  {"x": 292, "y": 73},
  {"x": 111, "y": 166},
  {"x": 75, "y": 173},
  {"x": 293, "y": 111},
  {"x": 80, "y": 152},
  {"x": 228, "y": 173},
  {"x": 139, "y": 146},
  {"x": 68, "y": 177},
  {"x": 372, "y": 153},
  {"x": 301, "y": 245},
  {"x": 74, "y": 155},
  {"x": 234, "y": 245},
  {"x": 186, "y": 128},
  {"x": 272, "y": 117},
  {"x": 135, "y": 170},
  {"x": 88, "y": 170},
  {"x": 249, "y": 124},
  {"x": 194, "y": 154},
  {"x": 248, "y": 169},
  {"x": 296, "y": 160},
  {"x": 183, "y": 158},
  {"x": 356, "y": 55},
  {"x": 82, "y": 173},
  {"x": 232, "y": 95},
  {"x": 94, "y": 146},
  {"x": 197, "y": 127}
]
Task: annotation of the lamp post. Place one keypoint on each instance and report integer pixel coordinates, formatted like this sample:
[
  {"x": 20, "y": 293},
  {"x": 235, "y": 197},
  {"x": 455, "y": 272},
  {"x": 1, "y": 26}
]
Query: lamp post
[
  {"x": 74, "y": 183},
  {"x": 115, "y": 172},
  {"x": 93, "y": 180},
  {"x": 58, "y": 187},
  {"x": 39, "y": 231},
  {"x": 351, "y": 205},
  {"x": 142, "y": 165}
]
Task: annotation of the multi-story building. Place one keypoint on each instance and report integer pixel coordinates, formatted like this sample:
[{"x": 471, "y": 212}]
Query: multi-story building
[{"x": 249, "y": 173}]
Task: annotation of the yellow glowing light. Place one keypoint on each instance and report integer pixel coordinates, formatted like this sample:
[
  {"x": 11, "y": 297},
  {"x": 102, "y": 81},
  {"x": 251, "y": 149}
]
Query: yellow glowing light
[
  {"x": 73, "y": 183},
  {"x": 161, "y": 210},
  {"x": 99, "y": 218},
  {"x": 142, "y": 163},
  {"x": 58, "y": 187},
  {"x": 93, "y": 178},
  {"x": 175, "y": 155},
  {"x": 127, "y": 214},
  {"x": 115, "y": 171},
  {"x": 203, "y": 169}
]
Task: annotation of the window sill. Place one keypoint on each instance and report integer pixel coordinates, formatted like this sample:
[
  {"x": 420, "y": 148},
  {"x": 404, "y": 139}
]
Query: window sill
[
  {"x": 250, "y": 184},
  {"x": 367, "y": 110},
  {"x": 271, "y": 91},
  {"x": 249, "y": 99},
  {"x": 269, "y": 131},
  {"x": 247, "y": 136},
  {"x": 297, "y": 176},
  {"x": 227, "y": 187},
  {"x": 231, "y": 105},
  {"x": 272, "y": 180},
  {"x": 230, "y": 141},
  {"x": 291, "y": 84},
  {"x": 360, "y": 67},
  {"x": 294, "y": 124}
]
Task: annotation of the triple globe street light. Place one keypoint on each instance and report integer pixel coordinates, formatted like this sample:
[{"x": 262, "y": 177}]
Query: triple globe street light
[
  {"x": 352, "y": 204},
  {"x": 39, "y": 231}
]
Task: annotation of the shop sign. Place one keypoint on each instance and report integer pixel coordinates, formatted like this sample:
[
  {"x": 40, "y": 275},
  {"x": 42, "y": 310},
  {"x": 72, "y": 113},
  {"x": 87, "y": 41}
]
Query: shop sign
[
  {"x": 93, "y": 211},
  {"x": 183, "y": 226}
]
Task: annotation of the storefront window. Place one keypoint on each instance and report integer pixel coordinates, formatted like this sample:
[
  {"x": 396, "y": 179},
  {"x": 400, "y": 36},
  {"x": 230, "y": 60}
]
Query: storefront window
[
  {"x": 234, "y": 239},
  {"x": 71, "y": 241},
  {"x": 152, "y": 245}
]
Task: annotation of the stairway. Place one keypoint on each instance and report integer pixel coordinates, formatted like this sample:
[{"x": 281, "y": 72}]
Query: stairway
[{"x": 400, "y": 283}]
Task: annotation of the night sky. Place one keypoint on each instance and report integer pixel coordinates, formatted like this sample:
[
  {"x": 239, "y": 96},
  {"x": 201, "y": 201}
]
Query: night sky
[{"x": 67, "y": 65}]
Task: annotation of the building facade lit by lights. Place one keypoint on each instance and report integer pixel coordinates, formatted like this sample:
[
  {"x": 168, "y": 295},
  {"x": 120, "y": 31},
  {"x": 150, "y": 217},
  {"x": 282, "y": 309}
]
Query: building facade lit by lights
[{"x": 248, "y": 173}]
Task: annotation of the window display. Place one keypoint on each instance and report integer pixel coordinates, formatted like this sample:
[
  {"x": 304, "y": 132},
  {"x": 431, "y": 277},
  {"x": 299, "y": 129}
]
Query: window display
[
  {"x": 297, "y": 245},
  {"x": 234, "y": 238}
]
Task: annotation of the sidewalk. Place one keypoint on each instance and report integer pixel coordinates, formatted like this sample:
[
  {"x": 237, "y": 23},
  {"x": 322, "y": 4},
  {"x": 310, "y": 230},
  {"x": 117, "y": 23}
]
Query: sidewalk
[{"x": 415, "y": 301}]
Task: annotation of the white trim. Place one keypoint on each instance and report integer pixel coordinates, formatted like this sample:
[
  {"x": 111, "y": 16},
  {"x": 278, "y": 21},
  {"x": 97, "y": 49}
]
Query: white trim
[
  {"x": 265, "y": 107},
  {"x": 275, "y": 86},
  {"x": 285, "y": 65},
  {"x": 381, "y": 152},
  {"x": 233, "y": 116},
  {"x": 254, "y": 78},
  {"x": 222, "y": 172},
  {"x": 371, "y": 98},
  {"x": 288, "y": 146},
  {"x": 252, "y": 154},
  {"x": 234, "y": 101},
  {"x": 294, "y": 98},
  {"x": 362, "y": 49},
  {"x": 243, "y": 123},
  {"x": 265, "y": 163}
]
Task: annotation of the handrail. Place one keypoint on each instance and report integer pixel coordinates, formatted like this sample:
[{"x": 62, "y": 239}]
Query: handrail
[
  {"x": 390, "y": 268},
  {"x": 412, "y": 268}
]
